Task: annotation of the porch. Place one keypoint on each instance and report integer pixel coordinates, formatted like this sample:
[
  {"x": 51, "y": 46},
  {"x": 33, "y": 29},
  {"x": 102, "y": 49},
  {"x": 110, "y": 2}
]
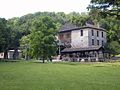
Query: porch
[{"x": 87, "y": 54}]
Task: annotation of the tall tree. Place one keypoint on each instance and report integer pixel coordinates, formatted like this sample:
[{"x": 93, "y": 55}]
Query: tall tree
[
  {"x": 42, "y": 38},
  {"x": 5, "y": 37},
  {"x": 16, "y": 34},
  {"x": 106, "y": 7},
  {"x": 77, "y": 18},
  {"x": 24, "y": 45}
]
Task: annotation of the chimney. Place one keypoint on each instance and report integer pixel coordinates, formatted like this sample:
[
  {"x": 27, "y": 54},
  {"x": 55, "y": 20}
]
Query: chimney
[{"x": 98, "y": 25}]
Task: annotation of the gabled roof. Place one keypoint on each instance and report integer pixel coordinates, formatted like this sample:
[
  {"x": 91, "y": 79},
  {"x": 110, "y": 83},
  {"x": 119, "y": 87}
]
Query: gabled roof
[
  {"x": 70, "y": 27},
  {"x": 67, "y": 27},
  {"x": 72, "y": 50}
]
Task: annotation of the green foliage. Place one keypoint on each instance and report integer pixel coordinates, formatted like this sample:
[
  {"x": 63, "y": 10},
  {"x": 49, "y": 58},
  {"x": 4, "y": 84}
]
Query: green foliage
[
  {"x": 5, "y": 35},
  {"x": 16, "y": 34},
  {"x": 42, "y": 38},
  {"x": 106, "y": 7},
  {"x": 77, "y": 19},
  {"x": 113, "y": 28},
  {"x": 113, "y": 47},
  {"x": 24, "y": 45}
]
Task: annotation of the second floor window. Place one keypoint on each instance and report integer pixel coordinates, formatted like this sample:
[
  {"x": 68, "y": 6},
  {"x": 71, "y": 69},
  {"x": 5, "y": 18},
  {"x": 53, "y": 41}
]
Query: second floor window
[
  {"x": 81, "y": 32},
  {"x": 97, "y": 33},
  {"x": 102, "y": 34},
  {"x": 92, "y": 33},
  {"x": 102, "y": 43},
  {"x": 92, "y": 41},
  {"x": 97, "y": 42}
]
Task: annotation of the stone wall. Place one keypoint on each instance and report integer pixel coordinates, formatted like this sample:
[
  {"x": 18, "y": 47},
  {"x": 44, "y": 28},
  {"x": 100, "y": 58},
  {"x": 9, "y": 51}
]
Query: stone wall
[
  {"x": 100, "y": 38},
  {"x": 77, "y": 40}
]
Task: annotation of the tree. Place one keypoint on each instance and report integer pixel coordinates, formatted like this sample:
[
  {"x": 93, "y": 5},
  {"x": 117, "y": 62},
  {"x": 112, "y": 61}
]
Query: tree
[
  {"x": 112, "y": 27},
  {"x": 113, "y": 47},
  {"x": 16, "y": 35},
  {"x": 106, "y": 7},
  {"x": 24, "y": 45},
  {"x": 42, "y": 38},
  {"x": 5, "y": 37},
  {"x": 77, "y": 19}
]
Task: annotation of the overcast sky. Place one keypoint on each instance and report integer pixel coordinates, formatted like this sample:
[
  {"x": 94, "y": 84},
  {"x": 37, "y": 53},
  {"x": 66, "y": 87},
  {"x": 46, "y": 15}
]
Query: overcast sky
[{"x": 17, "y": 8}]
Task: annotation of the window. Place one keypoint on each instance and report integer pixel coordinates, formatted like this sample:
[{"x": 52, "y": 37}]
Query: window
[
  {"x": 92, "y": 41},
  {"x": 68, "y": 35},
  {"x": 102, "y": 43},
  {"x": 2, "y": 54},
  {"x": 97, "y": 42},
  {"x": 81, "y": 32},
  {"x": 97, "y": 33},
  {"x": 102, "y": 34},
  {"x": 92, "y": 33}
]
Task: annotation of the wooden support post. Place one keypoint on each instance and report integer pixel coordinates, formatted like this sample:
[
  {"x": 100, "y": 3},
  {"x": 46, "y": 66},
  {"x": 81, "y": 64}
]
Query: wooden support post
[
  {"x": 97, "y": 56},
  {"x": 103, "y": 56},
  {"x": 89, "y": 56}
]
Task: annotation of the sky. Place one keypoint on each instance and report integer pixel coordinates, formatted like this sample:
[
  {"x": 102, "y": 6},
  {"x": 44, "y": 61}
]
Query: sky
[{"x": 17, "y": 8}]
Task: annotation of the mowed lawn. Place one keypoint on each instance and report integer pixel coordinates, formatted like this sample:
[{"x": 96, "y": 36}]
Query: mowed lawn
[{"x": 29, "y": 75}]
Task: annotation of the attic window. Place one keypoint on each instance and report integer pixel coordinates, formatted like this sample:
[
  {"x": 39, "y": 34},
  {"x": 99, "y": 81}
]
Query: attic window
[
  {"x": 92, "y": 33},
  {"x": 102, "y": 34},
  {"x": 81, "y": 32},
  {"x": 97, "y": 33}
]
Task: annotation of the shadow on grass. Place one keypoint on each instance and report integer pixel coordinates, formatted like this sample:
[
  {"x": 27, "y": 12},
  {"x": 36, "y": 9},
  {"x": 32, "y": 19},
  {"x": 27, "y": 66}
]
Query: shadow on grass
[
  {"x": 68, "y": 63},
  {"x": 64, "y": 63},
  {"x": 8, "y": 60},
  {"x": 99, "y": 66},
  {"x": 40, "y": 62}
]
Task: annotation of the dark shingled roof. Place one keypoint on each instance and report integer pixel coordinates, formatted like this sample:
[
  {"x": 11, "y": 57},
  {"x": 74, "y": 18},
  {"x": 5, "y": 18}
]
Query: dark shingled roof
[
  {"x": 69, "y": 50},
  {"x": 67, "y": 27},
  {"x": 70, "y": 27}
]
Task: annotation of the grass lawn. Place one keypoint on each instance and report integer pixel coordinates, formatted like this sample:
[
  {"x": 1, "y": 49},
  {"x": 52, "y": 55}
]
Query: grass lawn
[{"x": 28, "y": 75}]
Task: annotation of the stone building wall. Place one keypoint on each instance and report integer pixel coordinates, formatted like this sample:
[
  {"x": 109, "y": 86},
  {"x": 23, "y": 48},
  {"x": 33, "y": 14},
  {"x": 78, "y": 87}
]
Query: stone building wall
[
  {"x": 95, "y": 37},
  {"x": 77, "y": 40}
]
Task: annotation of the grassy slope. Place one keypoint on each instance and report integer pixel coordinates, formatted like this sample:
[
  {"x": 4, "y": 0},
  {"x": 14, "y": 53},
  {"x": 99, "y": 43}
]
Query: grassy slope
[{"x": 59, "y": 76}]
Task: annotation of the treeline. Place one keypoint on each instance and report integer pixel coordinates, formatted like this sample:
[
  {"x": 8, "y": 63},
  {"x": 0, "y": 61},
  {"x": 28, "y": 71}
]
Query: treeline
[{"x": 36, "y": 33}]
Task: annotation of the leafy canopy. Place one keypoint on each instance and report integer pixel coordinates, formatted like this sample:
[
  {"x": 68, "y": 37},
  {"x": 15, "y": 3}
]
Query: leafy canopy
[{"x": 42, "y": 38}]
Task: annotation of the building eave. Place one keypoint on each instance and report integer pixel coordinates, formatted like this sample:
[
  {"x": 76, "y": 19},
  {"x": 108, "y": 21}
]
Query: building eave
[
  {"x": 84, "y": 27},
  {"x": 74, "y": 50}
]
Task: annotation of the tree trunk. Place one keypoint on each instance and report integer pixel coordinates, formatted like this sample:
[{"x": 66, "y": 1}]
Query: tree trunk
[
  {"x": 15, "y": 54},
  {"x": 26, "y": 56},
  {"x": 50, "y": 58},
  {"x": 6, "y": 54},
  {"x": 43, "y": 60}
]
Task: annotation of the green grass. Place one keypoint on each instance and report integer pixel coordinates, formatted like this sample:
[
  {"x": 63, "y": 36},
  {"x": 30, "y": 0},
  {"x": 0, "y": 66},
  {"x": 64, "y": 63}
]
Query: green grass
[{"x": 27, "y": 75}]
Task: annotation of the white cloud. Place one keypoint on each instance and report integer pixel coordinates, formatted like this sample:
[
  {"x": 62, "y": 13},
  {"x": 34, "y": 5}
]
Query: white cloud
[{"x": 15, "y": 8}]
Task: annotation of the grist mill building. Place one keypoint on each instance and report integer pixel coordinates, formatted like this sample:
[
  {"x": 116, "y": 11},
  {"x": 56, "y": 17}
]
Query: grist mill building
[{"x": 82, "y": 43}]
